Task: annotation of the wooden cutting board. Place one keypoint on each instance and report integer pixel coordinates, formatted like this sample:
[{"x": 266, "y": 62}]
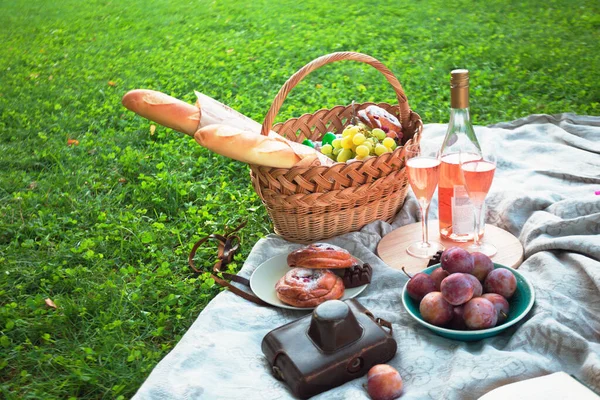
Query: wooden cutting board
[{"x": 392, "y": 248}]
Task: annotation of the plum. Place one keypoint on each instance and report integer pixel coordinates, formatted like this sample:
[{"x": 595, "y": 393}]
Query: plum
[
  {"x": 480, "y": 313},
  {"x": 438, "y": 276},
  {"x": 384, "y": 382},
  {"x": 455, "y": 259},
  {"x": 457, "y": 288},
  {"x": 501, "y": 281},
  {"x": 435, "y": 310},
  {"x": 482, "y": 265},
  {"x": 477, "y": 288},
  {"x": 419, "y": 285},
  {"x": 458, "y": 318},
  {"x": 501, "y": 304}
]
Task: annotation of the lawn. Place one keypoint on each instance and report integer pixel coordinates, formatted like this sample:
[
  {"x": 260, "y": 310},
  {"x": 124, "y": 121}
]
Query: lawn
[{"x": 103, "y": 226}]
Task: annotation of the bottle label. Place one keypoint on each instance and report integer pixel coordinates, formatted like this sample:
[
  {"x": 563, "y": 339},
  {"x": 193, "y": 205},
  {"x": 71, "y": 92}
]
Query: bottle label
[{"x": 463, "y": 219}]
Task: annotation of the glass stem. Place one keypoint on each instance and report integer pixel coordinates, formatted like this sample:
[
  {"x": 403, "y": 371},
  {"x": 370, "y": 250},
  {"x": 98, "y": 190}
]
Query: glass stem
[
  {"x": 424, "y": 225},
  {"x": 479, "y": 217}
]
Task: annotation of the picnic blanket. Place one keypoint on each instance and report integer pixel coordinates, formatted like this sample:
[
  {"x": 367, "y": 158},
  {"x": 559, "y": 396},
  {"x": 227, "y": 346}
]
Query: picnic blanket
[{"x": 544, "y": 193}]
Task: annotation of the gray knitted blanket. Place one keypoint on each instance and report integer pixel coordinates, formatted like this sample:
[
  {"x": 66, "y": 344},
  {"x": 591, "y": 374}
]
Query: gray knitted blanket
[{"x": 543, "y": 193}]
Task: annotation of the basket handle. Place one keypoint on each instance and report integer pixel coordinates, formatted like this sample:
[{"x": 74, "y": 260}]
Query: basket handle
[{"x": 327, "y": 59}]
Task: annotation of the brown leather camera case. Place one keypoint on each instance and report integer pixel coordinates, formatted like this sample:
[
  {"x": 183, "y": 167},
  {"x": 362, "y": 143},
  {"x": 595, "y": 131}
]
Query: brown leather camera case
[{"x": 338, "y": 342}]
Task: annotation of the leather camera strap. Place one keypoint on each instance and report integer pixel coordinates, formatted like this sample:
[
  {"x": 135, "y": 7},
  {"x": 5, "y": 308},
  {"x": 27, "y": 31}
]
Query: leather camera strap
[{"x": 228, "y": 244}]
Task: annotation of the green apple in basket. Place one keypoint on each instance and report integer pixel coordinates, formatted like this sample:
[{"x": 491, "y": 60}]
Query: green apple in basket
[{"x": 467, "y": 296}]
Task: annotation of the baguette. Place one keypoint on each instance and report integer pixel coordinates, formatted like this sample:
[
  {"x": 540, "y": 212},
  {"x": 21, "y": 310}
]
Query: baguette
[
  {"x": 183, "y": 117},
  {"x": 223, "y": 130},
  {"x": 164, "y": 110},
  {"x": 247, "y": 146}
]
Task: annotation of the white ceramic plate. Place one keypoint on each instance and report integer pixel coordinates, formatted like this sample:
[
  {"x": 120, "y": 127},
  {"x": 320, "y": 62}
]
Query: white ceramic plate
[{"x": 266, "y": 275}]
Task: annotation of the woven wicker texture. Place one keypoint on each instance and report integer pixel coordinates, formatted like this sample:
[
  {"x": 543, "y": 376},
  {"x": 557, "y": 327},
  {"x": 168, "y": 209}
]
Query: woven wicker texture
[{"x": 308, "y": 204}]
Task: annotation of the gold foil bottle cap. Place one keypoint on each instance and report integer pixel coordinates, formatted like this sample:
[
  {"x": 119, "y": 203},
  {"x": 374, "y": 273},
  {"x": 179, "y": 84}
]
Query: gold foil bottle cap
[{"x": 459, "y": 88}]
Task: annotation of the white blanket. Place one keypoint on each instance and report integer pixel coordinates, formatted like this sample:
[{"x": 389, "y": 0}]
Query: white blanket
[{"x": 543, "y": 193}]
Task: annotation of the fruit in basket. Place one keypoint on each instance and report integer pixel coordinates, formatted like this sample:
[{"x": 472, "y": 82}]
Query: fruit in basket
[
  {"x": 457, "y": 288},
  {"x": 480, "y": 313},
  {"x": 384, "y": 382},
  {"x": 327, "y": 149},
  {"x": 455, "y": 259},
  {"x": 345, "y": 155},
  {"x": 501, "y": 281},
  {"x": 419, "y": 285},
  {"x": 435, "y": 310},
  {"x": 358, "y": 142}
]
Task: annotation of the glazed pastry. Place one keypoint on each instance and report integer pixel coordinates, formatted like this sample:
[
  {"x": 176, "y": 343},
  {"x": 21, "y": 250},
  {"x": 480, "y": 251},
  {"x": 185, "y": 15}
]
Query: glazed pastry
[
  {"x": 357, "y": 275},
  {"x": 376, "y": 117},
  {"x": 321, "y": 255},
  {"x": 302, "y": 287}
]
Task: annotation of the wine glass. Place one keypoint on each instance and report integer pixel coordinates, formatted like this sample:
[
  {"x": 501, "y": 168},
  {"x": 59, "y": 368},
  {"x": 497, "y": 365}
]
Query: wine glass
[
  {"x": 478, "y": 173},
  {"x": 423, "y": 167}
]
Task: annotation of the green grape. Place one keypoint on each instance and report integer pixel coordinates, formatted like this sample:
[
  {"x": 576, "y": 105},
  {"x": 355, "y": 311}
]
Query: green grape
[
  {"x": 362, "y": 151},
  {"x": 350, "y": 130},
  {"x": 336, "y": 143},
  {"x": 354, "y": 130},
  {"x": 358, "y": 139},
  {"x": 379, "y": 134},
  {"x": 327, "y": 149},
  {"x": 337, "y": 151},
  {"x": 369, "y": 145},
  {"x": 345, "y": 155},
  {"x": 380, "y": 149},
  {"x": 347, "y": 142},
  {"x": 389, "y": 143}
]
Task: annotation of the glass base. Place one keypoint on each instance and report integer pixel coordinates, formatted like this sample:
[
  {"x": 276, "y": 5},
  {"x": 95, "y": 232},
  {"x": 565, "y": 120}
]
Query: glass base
[
  {"x": 485, "y": 248},
  {"x": 424, "y": 250}
]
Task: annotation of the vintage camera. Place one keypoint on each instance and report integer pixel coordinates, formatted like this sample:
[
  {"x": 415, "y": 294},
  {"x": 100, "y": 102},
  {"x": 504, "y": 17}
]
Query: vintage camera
[{"x": 338, "y": 342}]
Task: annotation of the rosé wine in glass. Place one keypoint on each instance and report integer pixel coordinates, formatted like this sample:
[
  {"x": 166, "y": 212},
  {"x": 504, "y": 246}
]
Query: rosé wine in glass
[
  {"x": 423, "y": 176},
  {"x": 478, "y": 179},
  {"x": 477, "y": 176},
  {"x": 423, "y": 169}
]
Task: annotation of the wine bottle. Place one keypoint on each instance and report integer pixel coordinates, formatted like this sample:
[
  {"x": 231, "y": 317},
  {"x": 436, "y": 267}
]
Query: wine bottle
[{"x": 455, "y": 211}]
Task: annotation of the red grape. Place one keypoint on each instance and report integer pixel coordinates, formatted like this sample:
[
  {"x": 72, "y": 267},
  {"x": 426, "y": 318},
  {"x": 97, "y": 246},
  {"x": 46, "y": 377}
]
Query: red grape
[
  {"x": 482, "y": 265},
  {"x": 501, "y": 281},
  {"x": 438, "y": 276},
  {"x": 456, "y": 259},
  {"x": 435, "y": 310},
  {"x": 419, "y": 285},
  {"x": 501, "y": 304},
  {"x": 480, "y": 313},
  {"x": 457, "y": 288}
]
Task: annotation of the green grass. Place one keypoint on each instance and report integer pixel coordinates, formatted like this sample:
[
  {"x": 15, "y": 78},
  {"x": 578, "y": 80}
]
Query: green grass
[{"x": 104, "y": 228}]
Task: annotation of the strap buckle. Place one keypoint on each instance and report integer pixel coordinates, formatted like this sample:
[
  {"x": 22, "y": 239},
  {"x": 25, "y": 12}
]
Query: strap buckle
[{"x": 228, "y": 245}]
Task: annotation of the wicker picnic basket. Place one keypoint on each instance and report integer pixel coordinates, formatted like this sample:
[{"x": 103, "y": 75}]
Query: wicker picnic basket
[{"x": 307, "y": 204}]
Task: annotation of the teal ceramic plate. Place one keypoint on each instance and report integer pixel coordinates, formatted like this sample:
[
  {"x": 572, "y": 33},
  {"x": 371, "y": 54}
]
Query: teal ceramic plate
[{"x": 520, "y": 304}]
